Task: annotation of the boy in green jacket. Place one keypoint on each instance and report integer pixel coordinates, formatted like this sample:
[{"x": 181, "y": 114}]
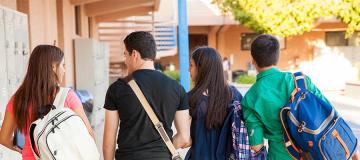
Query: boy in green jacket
[{"x": 262, "y": 103}]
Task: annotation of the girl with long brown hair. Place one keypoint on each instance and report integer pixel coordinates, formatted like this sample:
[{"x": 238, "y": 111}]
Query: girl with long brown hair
[
  {"x": 41, "y": 83},
  {"x": 209, "y": 105}
]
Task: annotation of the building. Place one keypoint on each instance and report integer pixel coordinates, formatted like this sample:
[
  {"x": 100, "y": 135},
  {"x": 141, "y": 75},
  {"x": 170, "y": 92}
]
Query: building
[
  {"x": 303, "y": 52},
  {"x": 322, "y": 53},
  {"x": 68, "y": 24}
]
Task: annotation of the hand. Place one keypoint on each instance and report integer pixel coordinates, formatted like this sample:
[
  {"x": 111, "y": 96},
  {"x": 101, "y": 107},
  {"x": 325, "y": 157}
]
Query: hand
[
  {"x": 257, "y": 148},
  {"x": 17, "y": 149},
  {"x": 356, "y": 156}
]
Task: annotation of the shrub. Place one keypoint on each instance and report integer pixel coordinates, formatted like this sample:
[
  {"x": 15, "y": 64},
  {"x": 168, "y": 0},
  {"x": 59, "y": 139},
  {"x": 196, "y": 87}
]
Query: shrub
[
  {"x": 245, "y": 79},
  {"x": 173, "y": 74}
]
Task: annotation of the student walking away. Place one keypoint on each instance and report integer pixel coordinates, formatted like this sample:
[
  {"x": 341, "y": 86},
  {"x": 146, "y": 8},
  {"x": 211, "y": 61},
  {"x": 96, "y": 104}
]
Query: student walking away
[
  {"x": 217, "y": 128},
  {"x": 137, "y": 138},
  {"x": 34, "y": 97},
  {"x": 227, "y": 69},
  {"x": 264, "y": 100}
]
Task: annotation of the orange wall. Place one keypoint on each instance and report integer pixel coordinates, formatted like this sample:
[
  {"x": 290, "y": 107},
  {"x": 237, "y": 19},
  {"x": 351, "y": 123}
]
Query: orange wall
[
  {"x": 42, "y": 22},
  {"x": 67, "y": 34},
  {"x": 227, "y": 40},
  {"x": 295, "y": 47},
  {"x": 8, "y": 3}
]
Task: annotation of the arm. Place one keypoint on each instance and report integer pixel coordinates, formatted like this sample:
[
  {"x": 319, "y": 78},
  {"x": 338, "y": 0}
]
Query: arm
[
  {"x": 254, "y": 127},
  {"x": 257, "y": 148},
  {"x": 74, "y": 103},
  {"x": 7, "y": 131},
  {"x": 80, "y": 112},
  {"x": 110, "y": 131},
  {"x": 182, "y": 138},
  {"x": 356, "y": 156},
  {"x": 255, "y": 131}
]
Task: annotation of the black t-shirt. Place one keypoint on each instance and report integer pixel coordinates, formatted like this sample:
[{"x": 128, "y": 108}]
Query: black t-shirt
[{"x": 137, "y": 137}]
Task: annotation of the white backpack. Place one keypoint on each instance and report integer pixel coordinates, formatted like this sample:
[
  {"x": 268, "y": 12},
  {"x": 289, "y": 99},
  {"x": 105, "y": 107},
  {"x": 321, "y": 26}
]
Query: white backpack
[{"x": 61, "y": 134}]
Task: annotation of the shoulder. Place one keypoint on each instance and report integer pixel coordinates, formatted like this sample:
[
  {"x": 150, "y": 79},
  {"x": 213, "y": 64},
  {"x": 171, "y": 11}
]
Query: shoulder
[
  {"x": 10, "y": 105},
  {"x": 235, "y": 93},
  {"x": 152, "y": 74},
  {"x": 71, "y": 94},
  {"x": 120, "y": 85},
  {"x": 289, "y": 77},
  {"x": 169, "y": 82},
  {"x": 200, "y": 108},
  {"x": 72, "y": 100},
  {"x": 166, "y": 78}
]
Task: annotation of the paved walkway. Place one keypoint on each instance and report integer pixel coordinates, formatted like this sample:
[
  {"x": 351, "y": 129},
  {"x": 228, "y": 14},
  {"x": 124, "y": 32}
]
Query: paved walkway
[{"x": 348, "y": 108}]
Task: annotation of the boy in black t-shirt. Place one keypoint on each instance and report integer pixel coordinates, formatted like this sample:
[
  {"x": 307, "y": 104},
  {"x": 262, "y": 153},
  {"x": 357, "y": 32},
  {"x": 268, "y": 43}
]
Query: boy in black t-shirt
[{"x": 137, "y": 138}]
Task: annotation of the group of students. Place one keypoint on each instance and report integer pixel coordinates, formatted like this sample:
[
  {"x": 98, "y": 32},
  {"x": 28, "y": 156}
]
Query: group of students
[{"x": 199, "y": 115}]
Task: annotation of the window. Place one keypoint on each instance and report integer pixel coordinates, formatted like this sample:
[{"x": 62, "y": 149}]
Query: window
[
  {"x": 197, "y": 40},
  {"x": 247, "y": 39},
  {"x": 78, "y": 20},
  {"x": 336, "y": 38}
]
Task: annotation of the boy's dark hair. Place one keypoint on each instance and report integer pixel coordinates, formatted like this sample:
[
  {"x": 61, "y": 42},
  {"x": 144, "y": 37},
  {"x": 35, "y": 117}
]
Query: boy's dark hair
[
  {"x": 143, "y": 42},
  {"x": 265, "y": 50}
]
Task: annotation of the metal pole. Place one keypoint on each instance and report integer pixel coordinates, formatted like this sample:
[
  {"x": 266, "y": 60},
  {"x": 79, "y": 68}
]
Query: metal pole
[{"x": 183, "y": 45}]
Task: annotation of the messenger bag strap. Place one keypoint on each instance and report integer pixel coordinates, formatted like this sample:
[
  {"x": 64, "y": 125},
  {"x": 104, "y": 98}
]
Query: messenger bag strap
[{"x": 158, "y": 125}]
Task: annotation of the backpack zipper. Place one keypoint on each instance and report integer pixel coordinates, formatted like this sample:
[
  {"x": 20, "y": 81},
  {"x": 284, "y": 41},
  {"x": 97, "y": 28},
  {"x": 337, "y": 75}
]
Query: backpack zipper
[
  {"x": 324, "y": 136},
  {"x": 48, "y": 133},
  {"x": 323, "y": 125},
  {"x": 302, "y": 97},
  {"x": 56, "y": 116},
  {"x": 43, "y": 130}
]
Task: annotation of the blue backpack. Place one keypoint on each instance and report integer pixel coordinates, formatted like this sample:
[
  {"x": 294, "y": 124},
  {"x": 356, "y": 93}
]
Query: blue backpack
[{"x": 313, "y": 129}]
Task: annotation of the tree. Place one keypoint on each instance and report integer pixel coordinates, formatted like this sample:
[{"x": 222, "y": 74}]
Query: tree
[{"x": 291, "y": 17}]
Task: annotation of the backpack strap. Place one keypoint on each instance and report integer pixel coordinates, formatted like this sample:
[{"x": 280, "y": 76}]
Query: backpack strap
[
  {"x": 33, "y": 147},
  {"x": 61, "y": 97},
  {"x": 300, "y": 83},
  {"x": 291, "y": 147}
]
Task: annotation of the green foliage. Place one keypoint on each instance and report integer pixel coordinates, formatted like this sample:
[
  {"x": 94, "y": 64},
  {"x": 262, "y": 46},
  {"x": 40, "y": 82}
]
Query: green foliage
[
  {"x": 173, "y": 74},
  {"x": 176, "y": 76},
  {"x": 245, "y": 79},
  {"x": 290, "y": 17}
]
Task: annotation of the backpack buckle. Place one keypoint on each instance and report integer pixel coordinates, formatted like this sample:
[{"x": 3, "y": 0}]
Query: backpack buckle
[
  {"x": 301, "y": 126},
  {"x": 176, "y": 157}
]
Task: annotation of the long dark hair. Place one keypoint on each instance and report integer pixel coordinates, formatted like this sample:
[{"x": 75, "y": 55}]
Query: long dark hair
[
  {"x": 210, "y": 79},
  {"x": 39, "y": 86}
]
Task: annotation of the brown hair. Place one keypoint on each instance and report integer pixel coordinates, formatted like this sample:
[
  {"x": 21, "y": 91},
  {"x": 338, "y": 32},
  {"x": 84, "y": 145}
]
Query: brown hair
[
  {"x": 210, "y": 78},
  {"x": 39, "y": 87}
]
